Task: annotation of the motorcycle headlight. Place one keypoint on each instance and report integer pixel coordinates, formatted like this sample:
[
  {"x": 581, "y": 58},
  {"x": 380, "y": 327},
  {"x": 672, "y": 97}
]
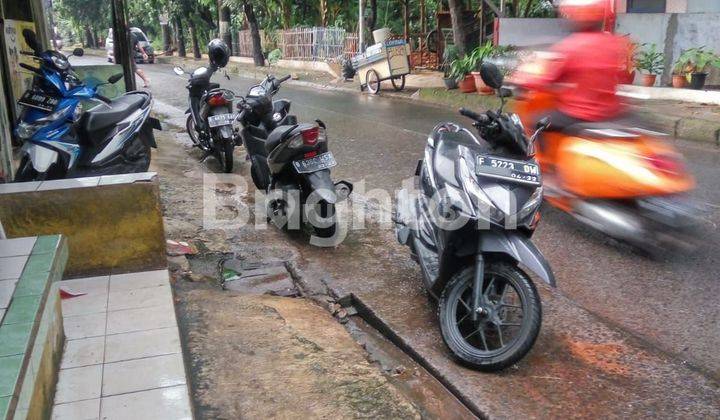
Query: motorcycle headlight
[
  {"x": 277, "y": 117},
  {"x": 25, "y": 130},
  {"x": 60, "y": 62},
  {"x": 482, "y": 202},
  {"x": 531, "y": 205}
]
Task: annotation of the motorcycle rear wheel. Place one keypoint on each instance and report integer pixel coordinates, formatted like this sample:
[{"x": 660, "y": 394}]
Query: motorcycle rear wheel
[
  {"x": 226, "y": 155},
  {"x": 485, "y": 344}
]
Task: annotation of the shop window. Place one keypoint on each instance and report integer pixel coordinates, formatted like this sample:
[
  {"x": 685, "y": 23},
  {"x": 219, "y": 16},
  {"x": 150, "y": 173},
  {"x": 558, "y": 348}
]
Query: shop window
[{"x": 646, "y": 6}]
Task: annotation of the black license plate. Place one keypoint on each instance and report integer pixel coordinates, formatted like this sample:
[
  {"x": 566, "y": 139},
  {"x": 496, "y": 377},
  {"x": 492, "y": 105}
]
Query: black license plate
[
  {"x": 39, "y": 100},
  {"x": 508, "y": 169},
  {"x": 315, "y": 163}
]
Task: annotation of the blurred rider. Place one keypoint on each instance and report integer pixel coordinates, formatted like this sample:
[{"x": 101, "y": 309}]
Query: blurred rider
[{"x": 585, "y": 68}]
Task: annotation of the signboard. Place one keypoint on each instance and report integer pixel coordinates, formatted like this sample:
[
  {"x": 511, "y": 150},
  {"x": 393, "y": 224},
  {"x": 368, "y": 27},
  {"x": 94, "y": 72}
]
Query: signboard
[{"x": 20, "y": 79}]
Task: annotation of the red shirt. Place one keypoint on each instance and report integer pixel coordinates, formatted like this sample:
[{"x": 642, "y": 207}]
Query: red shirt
[{"x": 585, "y": 75}]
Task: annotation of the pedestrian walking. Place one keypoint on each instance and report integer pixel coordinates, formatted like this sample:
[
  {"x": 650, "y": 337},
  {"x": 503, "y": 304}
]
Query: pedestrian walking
[{"x": 135, "y": 46}]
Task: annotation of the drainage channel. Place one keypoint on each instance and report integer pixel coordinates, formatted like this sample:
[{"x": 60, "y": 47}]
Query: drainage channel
[{"x": 369, "y": 317}]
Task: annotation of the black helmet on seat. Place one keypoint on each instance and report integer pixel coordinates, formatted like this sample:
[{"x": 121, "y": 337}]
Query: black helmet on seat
[{"x": 219, "y": 53}]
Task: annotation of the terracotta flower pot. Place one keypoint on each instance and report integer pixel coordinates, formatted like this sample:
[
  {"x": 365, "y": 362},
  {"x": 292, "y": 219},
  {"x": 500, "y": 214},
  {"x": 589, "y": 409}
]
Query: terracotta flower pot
[
  {"x": 648, "y": 80},
  {"x": 450, "y": 83},
  {"x": 481, "y": 87},
  {"x": 679, "y": 81},
  {"x": 467, "y": 84}
]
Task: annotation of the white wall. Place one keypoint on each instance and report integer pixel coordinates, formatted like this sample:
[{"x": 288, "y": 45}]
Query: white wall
[
  {"x": 703, "y": 6},
  {"x": 533, "y": 32}
]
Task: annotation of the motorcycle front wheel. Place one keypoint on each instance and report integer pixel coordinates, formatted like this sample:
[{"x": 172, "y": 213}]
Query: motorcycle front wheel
[{"x": 508, "y": 320}]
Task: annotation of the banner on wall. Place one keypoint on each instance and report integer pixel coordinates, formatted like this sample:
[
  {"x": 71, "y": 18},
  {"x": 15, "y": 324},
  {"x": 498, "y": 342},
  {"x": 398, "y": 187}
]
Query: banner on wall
[{"x": 20, "y": 79}]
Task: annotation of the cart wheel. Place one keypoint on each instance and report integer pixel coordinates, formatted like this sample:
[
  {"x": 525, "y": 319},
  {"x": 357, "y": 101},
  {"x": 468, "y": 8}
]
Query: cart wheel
[
  {"x": 398, "y": 83},
  {"x": 373, "y": 81}
]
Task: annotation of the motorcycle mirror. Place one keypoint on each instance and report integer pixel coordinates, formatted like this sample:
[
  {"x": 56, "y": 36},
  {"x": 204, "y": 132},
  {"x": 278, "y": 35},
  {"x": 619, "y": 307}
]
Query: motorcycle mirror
[
  {"x": 491, "y": 75},
  {"x": 114, "y": 78},
  {"x": 31, "y": 40},
  {"x": 178, "y": 70},
  {"x": 78, "y": 52},
  {"x": 543, "y": 123}
]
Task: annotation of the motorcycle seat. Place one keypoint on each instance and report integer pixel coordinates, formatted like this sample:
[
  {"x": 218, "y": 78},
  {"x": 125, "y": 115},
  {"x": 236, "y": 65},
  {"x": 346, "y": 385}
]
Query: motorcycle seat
[{"x": 101, "y": 117}]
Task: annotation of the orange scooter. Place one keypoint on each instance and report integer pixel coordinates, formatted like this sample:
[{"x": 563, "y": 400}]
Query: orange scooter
[{"x": 622, "y": 180}]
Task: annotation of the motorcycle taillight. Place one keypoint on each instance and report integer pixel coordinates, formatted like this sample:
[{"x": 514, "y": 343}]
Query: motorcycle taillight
[
  {"x": 310, "y": 137},
  {"x": 217, "y": 100}
]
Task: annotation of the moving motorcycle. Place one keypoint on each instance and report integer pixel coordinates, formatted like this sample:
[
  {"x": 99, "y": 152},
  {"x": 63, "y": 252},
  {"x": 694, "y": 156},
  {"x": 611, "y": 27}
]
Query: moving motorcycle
[
  {"x": 469, "y": 228},
  {"x": 621, "y": 179},
  {"x": 289, "y": 158},
  {"x": 62, "y": 141},
  {"x": 210, "y": 115}
]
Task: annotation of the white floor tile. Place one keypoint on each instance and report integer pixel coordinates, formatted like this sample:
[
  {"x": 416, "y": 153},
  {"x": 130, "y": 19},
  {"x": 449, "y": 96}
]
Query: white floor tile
[
  {"x": 79, "y": 410},
  {"x": 164, "y": 403},
  {"x": 7, "y": 287},
  {"x": 140, "y": 298},
  {"x": 130, "y": 281},
  {"x": 143, "y": 374},
  {"x": 83, "y": 326},
  {"x": 83, "y": 352},
  {"x": 82, "y": 383},
  {"x": 98, "y": 284},
  {"x": 130, "y": 320},
  {"x": 90, "y": 303},
  {"x": 17, "y": 246},
  {"x": 142, "y": 344}
]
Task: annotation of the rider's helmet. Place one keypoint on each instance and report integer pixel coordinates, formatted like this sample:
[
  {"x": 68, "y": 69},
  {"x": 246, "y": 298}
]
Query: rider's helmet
[
  {"x": 584, "y": 12},
  {"x": 219, "y": 53}
]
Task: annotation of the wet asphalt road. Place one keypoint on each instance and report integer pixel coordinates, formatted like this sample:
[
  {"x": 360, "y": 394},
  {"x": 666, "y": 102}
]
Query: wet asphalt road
[{"x": 668, "y": 309}]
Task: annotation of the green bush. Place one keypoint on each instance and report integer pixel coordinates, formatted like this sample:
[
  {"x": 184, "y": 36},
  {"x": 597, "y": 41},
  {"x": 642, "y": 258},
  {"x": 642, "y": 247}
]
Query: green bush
[{"x": 274, "y": 56}]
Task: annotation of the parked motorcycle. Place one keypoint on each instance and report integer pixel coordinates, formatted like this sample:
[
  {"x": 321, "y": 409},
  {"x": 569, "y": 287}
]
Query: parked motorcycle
[
  {"x": 210, "y": 116},
  {"x": 290, "y": 158},
  {"x": 62, "y": 141},
  {"x": 614, "y": 176},
  {"x": 469, "y": 228}
]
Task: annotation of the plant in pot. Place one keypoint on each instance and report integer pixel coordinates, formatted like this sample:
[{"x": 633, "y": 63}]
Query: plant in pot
[
  {"x": 460, "y": 69},
  {"x": 682, "y": 68},
  {"x": 650, "y": 61},
  {"x": 631, "y": 64},
  {"x": 700, "y": 60},
  {"x": 479, "y": 55},
  {"x": 449, "y": 55}
]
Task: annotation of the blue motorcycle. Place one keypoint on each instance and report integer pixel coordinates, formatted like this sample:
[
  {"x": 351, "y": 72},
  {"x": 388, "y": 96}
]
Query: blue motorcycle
[{"x": 60, "y": 140}]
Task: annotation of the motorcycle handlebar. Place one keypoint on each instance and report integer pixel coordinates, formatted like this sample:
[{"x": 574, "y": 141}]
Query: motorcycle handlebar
[
  {"x": 283, "y": 79},
  {"x": 470, "y": 114}
]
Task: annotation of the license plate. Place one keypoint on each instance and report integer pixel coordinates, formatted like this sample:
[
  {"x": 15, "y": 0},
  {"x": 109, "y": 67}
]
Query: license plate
[
  {"x": 220, "y": 120},
  {"x": 316, "y": 163},
  {"x": 508, "y": 169},
  {"x": 39, "y": 100}
]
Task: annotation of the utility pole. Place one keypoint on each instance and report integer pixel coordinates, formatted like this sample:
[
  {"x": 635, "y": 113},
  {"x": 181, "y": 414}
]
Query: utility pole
[
  {"x": 361, "y": 28},
  {"x": 121, "y": 43}
]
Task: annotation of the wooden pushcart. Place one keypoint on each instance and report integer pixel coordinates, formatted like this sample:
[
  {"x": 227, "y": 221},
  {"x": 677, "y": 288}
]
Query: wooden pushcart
[{"x": 387, "y": 60}]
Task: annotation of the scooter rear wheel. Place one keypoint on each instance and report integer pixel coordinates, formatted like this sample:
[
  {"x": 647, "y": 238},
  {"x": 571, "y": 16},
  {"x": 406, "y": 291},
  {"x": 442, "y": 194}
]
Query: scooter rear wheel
[{"x": 508, "y": 322}]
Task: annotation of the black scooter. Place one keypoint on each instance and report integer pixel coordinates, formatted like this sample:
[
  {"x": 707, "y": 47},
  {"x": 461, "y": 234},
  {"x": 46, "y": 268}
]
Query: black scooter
[
  {"x": 290, "y": 160},
  {"x": 469, "y": 228},
  {"x": 210, "y": 116}
]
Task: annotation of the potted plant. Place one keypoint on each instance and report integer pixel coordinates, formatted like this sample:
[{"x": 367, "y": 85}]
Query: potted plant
[
  {"x": 460, "y": 70},
  {"x": 478, "y": 55},
  {"x": 699, "y": 60},
  {"x": 683, "y": 66},
  {"x": 449, "y": 55},
  {"x": 650, "y": 60}
]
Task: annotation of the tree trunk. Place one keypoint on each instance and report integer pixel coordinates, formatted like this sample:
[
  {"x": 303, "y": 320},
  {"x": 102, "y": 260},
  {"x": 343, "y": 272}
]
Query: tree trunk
[
  {"x": 180, "y": 38},
  {"x": 224, "y": 26},
  {"x": 372, "y": 19},
  {"x": 406, "y": 17},
  {"x": 194, "y": 38},
  {"x": 89, "y": 41},
  {"x": 458, "y": 26},
  {"x": 323, "y": 13},
  {"x": 258, "y": 57},
  {"x": 166, "y": 38}
]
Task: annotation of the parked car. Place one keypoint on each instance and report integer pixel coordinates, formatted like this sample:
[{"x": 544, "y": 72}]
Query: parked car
[{"x": 144, "y": 42}]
